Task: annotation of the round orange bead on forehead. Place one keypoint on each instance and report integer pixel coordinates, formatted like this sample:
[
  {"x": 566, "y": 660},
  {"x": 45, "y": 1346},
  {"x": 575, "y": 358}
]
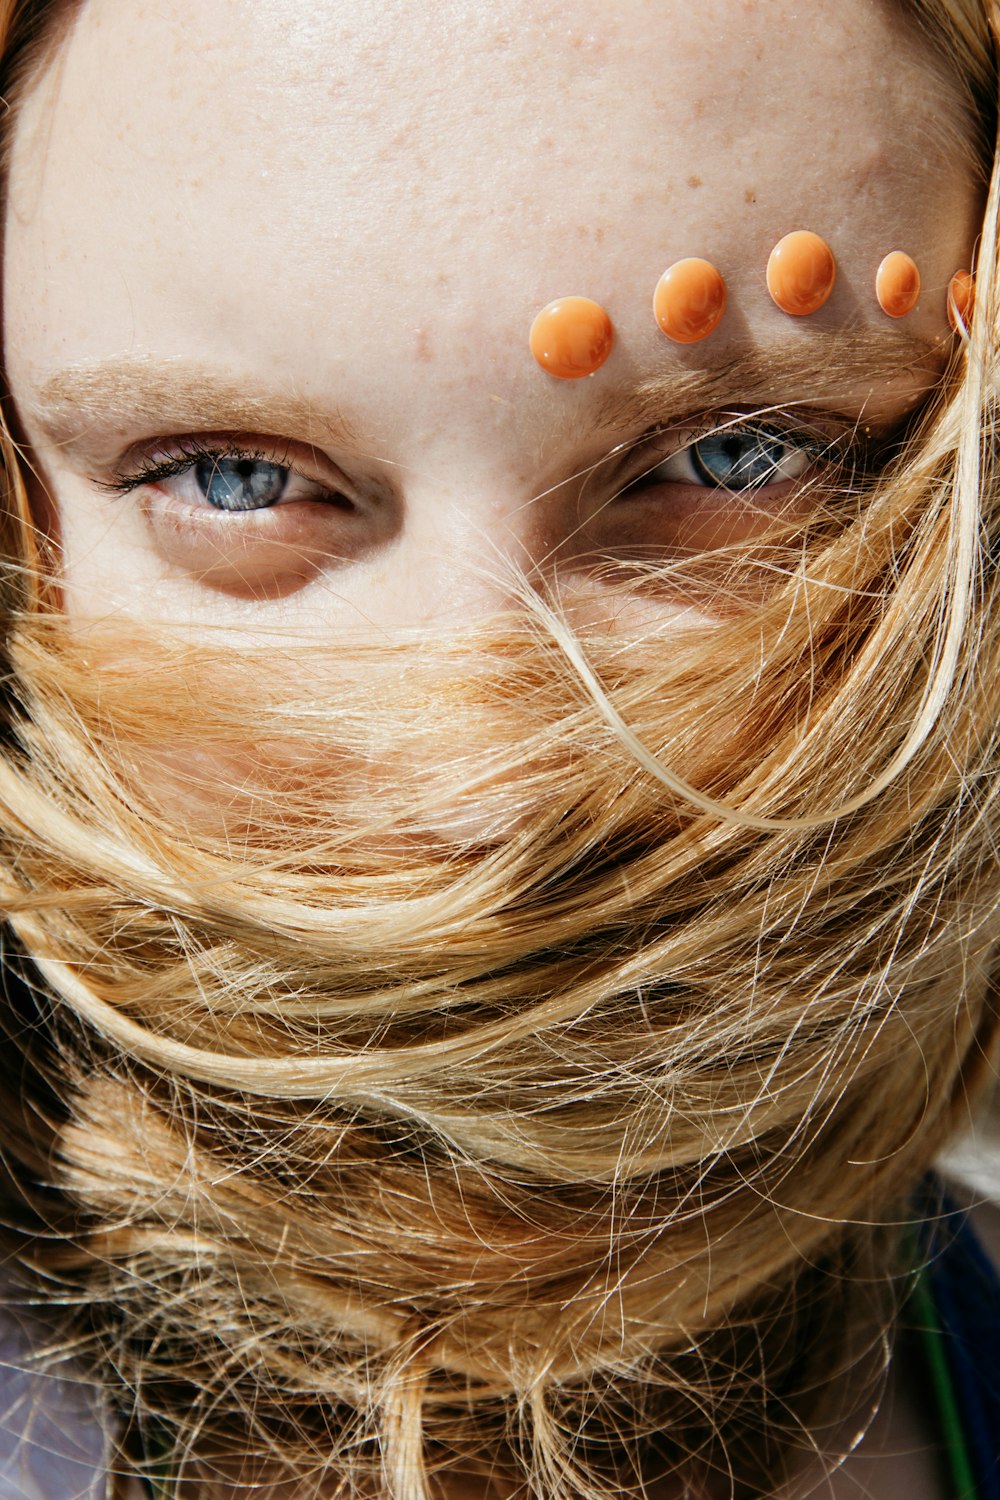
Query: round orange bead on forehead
[
  {"x": 897, "y": 284},
  {"x": 689, "y": 300},
  {"x": 571, "y": 337},
  {"x": 961, "y": 296},
  {"x": 801, "y": 272}
]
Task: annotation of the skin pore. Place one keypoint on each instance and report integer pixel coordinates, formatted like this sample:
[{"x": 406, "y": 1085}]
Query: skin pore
[{"x": 310, "y": 240}]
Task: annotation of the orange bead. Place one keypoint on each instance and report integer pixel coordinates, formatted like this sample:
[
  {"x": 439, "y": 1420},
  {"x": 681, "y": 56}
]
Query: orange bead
[
  {"x": 801, "y": 271},
  {"x": 689, "y": 300},
  {"x": 897, "y": 284},
  {"x": 961, "y": 296},
  {"x": 571, "y": 337}
]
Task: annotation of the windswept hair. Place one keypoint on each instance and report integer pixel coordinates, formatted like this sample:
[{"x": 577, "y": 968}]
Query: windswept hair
[{"x": 514, "y": 1050}]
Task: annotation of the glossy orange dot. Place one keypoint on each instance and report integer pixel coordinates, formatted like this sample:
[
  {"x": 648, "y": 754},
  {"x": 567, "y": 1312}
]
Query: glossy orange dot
[
  {"x": 897, "y": 284},
  {"x": 571, "y": 337},
  {"x": 801, "y": 271},
  {"x": 689, "y": 300},
  {"x": 961, "y": 296}
]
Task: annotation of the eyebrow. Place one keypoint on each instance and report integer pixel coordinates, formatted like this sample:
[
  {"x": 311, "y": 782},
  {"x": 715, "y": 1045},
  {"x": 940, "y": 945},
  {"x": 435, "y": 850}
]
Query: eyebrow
[
  {"x": 831, "y": 370},
  {"x": 77, "y": 407}
]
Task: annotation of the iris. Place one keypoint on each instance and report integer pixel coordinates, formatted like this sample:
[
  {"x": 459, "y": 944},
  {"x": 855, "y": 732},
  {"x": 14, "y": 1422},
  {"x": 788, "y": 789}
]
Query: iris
[
  {"x": 240, "y": 483},
  {"x": 743, "y": 459}
]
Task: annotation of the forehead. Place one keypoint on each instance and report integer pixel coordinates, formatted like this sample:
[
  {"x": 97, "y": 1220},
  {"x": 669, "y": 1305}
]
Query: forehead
[{"x": 288, "y": 178}]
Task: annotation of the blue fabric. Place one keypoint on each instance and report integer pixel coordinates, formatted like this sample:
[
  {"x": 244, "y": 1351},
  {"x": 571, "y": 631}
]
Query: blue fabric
[{"x": 965, "y": 1287}]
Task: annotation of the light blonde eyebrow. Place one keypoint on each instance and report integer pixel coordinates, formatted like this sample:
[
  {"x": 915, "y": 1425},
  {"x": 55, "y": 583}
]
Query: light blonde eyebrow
[
  {"x": 78, "y": 408},
  {"x": 82, "y": 408},
  {"x": 827, "y": 370}
]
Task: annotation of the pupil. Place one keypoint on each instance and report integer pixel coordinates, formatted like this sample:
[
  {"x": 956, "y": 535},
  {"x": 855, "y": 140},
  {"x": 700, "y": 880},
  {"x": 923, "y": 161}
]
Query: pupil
[{"x": 240, "y": 483}]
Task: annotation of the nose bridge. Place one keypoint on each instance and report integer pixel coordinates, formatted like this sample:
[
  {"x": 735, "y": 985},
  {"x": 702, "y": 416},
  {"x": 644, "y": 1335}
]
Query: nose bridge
[{"x": 470, "y": 542}]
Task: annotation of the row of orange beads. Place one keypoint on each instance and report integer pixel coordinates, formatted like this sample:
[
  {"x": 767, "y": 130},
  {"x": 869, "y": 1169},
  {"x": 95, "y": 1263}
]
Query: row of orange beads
[{"x": 572, "y": 336}]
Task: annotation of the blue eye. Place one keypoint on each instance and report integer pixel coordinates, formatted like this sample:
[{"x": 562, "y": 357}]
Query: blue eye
[
  {"x": 236, "y": 484},
  {"x": 737, "y": 457},
  {"x": 744, "y": 459}
]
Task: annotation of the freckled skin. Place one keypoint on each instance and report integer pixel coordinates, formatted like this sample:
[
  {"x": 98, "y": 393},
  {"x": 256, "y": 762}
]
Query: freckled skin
[
  {"x": 418, "y": 169},
  {"x": 424, "y": 352}
]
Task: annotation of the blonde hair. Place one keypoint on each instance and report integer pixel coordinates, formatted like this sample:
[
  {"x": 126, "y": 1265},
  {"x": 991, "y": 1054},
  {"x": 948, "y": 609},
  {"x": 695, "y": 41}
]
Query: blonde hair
[{"x": 564, "y": 1141}]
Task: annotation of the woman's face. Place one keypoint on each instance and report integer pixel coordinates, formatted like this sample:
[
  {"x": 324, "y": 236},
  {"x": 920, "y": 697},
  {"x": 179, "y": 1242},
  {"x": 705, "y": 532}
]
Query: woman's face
[{"x": 312, "y": 239}]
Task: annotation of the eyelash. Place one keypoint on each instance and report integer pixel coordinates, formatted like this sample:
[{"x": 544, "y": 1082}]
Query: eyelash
[
  {"x": 844, "y": 452},
  {"x": 149, "y": 470}
]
